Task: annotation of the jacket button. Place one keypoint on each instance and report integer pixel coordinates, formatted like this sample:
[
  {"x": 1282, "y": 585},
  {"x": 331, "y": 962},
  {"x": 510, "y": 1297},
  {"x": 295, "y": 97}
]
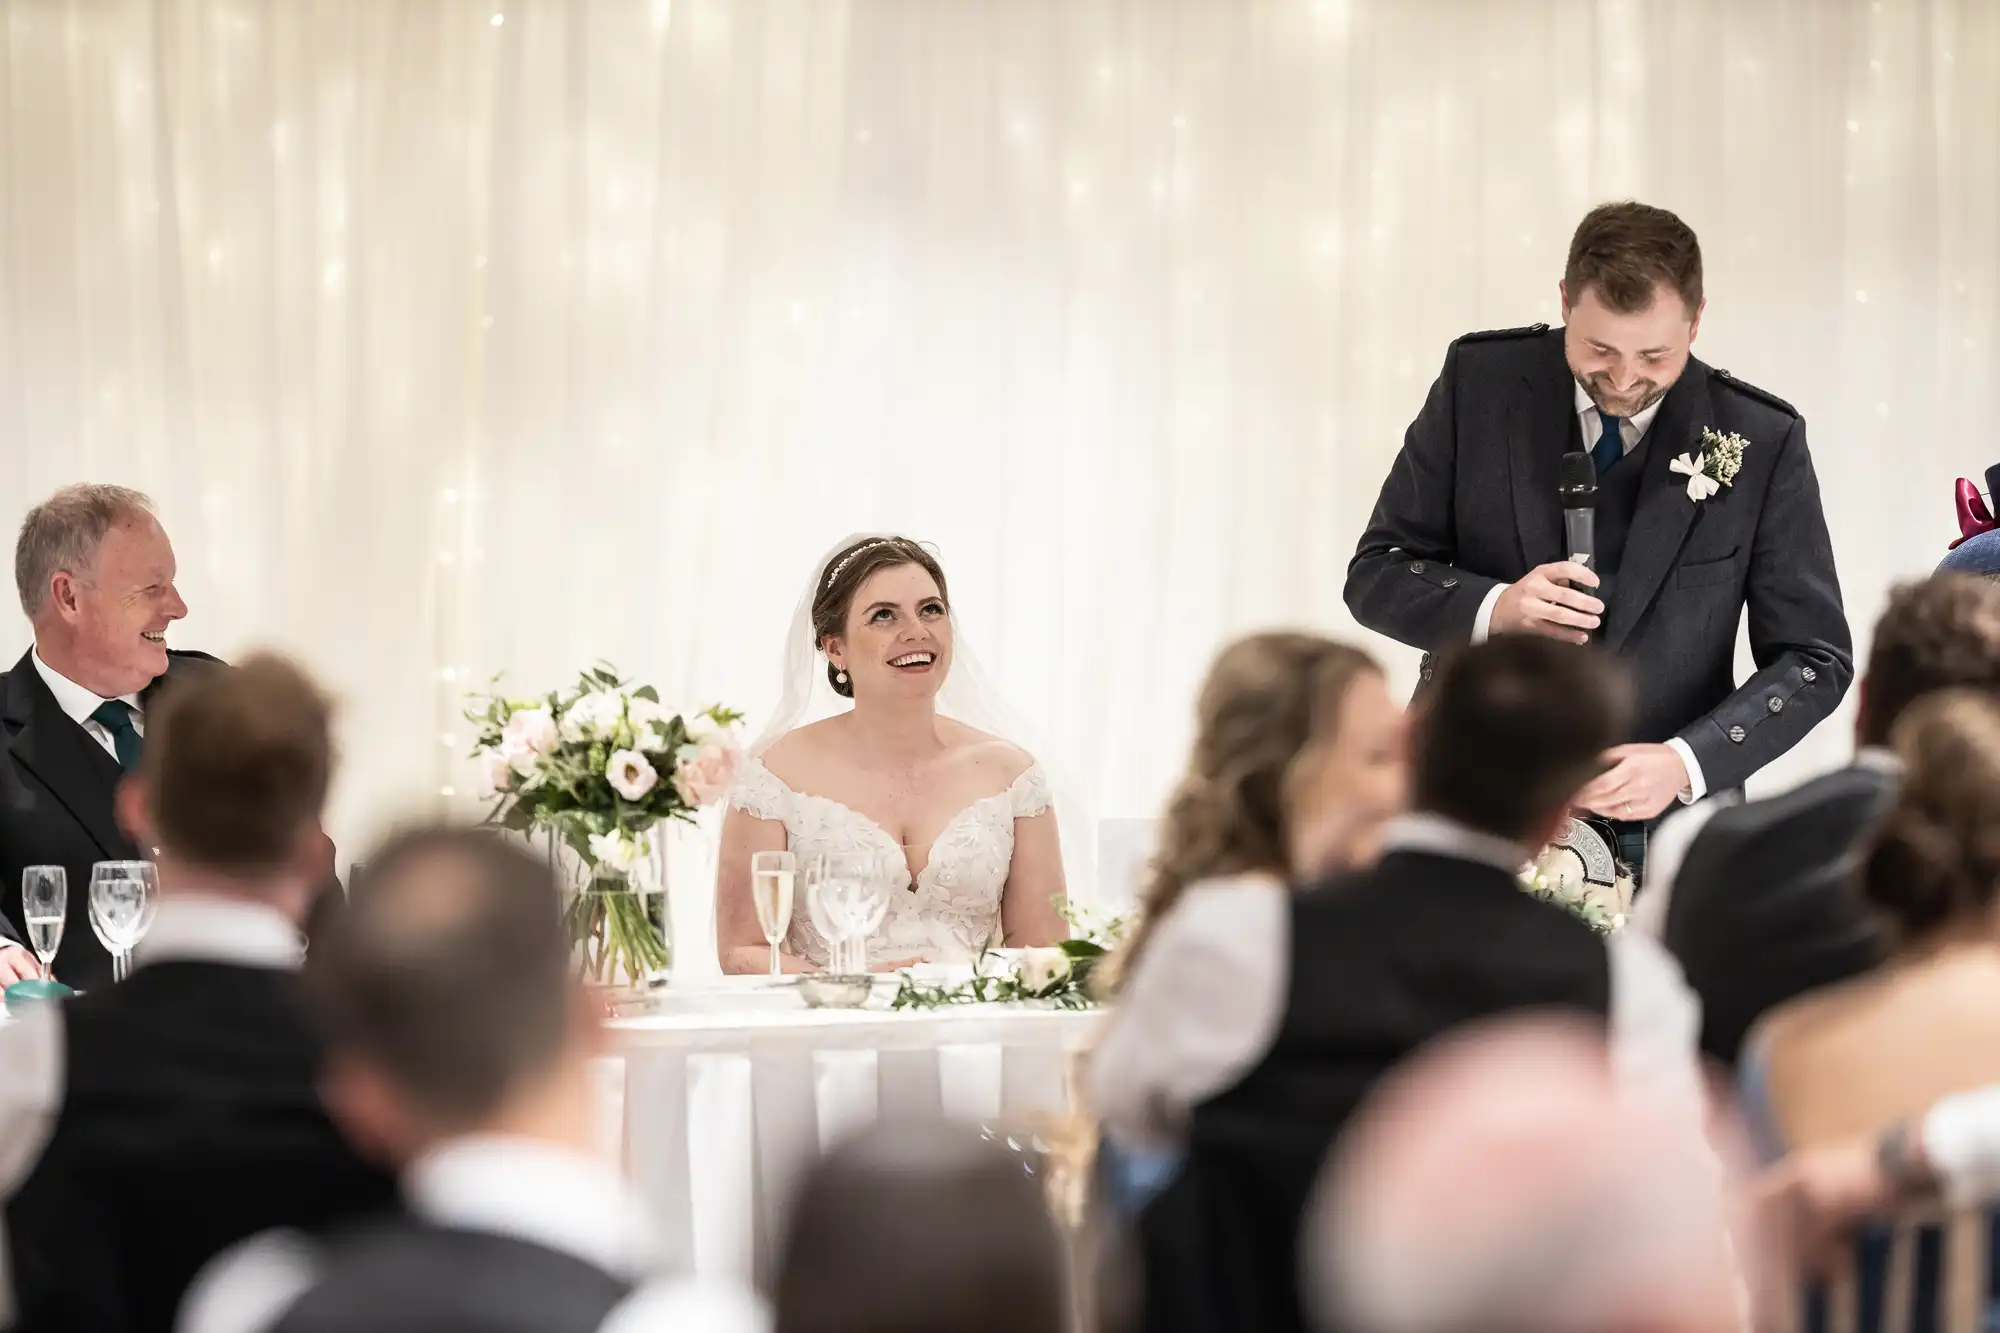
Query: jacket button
[
  {"x": 1449, "y": 583},
  {"x": 1416, "y": 566},
  {"x": 1736, "y": 734},
  {"x": 1776, "y": 704},
  {"x": 1808, "y": 675}
]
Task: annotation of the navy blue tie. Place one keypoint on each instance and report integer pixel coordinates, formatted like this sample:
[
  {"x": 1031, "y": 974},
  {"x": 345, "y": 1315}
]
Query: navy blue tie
[{"x": 1610, "y": 445}]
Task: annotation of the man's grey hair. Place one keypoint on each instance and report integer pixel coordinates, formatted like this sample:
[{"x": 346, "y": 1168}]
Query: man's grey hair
[{"x": 64, "y": 531}]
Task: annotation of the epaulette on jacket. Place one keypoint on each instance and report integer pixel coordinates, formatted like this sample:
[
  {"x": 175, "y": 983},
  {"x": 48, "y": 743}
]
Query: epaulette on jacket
[
  {"x": 1750, "y": 390},
  {"x": 1531, "y": 331}
]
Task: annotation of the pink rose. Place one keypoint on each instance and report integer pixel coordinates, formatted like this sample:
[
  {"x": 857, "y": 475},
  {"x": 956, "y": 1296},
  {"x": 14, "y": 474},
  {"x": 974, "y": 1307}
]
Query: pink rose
[
  {"x": 706, "y": 776},
  {"x": 496, "y": 771}
]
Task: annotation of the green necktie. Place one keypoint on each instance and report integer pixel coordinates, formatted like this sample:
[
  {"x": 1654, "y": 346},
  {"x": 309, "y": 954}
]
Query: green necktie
[{"x": 115, "y": 716}]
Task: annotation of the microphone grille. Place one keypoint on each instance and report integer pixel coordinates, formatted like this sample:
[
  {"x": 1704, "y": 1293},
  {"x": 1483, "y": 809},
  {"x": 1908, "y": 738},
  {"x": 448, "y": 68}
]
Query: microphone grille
[{"x": 1578, "y": 476}]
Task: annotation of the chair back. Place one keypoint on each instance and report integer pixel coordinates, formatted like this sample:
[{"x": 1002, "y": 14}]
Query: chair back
[{"x": 1923, "y": 1270}]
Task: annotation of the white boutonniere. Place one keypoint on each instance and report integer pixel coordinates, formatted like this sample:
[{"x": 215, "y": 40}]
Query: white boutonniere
[{"x": 1716, "y": 466}]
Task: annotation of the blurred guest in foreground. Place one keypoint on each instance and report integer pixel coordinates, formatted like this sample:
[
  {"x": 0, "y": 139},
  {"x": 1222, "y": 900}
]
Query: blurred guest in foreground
[
  {"x": 1855, "y": 1058},
  {"x": 1851, "y": 1059},
  {"x": 1296, "y": 1014},
  {"x": 146, "y": 1126},
  {"x": 1756, "y": 900},
  {"x": 1506, "y": 1181},
  {"x": 921, "y": 1228},
  {"x": 1298, "y": 763},
  {"x": 460, "y": 1049},
  {"x": 96, "y": 578}
]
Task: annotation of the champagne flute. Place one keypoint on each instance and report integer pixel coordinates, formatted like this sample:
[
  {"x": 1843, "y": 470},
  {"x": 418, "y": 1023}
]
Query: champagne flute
[
  {"x": 45, "y": 905},
  {"x": 771, "y": 879},
  {"x": 122, "y": 897}
]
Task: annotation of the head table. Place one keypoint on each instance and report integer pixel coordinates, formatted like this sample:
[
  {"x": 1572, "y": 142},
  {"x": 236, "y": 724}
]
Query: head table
[{"x": 722, "y": 1098}]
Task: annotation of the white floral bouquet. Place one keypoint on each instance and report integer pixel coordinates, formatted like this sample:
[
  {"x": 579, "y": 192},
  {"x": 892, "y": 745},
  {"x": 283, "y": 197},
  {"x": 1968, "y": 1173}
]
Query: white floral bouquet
[
  {"x": 597, "y": 768},
  {"x": 1598, "y": 906},
  {"x": 1058, "y": 974}
]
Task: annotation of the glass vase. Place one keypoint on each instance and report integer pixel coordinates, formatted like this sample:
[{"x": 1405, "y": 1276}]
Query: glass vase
[{"x": 620, "y": 928}]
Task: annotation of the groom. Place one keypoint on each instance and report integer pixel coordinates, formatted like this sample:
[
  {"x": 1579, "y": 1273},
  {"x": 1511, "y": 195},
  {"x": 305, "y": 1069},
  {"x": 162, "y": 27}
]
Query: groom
[{"x": 1467, "y": 538}]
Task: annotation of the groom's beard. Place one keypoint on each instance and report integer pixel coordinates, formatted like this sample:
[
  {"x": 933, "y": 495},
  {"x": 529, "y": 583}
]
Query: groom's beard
[{"x": 1623, "y": 406}]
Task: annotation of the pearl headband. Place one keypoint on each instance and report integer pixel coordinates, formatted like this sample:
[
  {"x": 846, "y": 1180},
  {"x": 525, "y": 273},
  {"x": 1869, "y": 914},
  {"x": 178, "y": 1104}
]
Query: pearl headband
[{"x": 845, "y": 560}]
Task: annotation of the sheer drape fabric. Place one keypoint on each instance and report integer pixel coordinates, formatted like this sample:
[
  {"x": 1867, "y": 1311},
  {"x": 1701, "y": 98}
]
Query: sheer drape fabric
[{"x": 458, "y": 337}]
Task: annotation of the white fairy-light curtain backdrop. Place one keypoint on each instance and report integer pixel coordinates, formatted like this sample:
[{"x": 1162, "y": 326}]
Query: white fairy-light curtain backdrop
[{"x": 464, "y": 337}]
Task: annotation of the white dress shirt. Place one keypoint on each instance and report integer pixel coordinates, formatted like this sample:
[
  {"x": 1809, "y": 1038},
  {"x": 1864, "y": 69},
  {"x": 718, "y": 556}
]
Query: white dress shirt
[
  {"x": 223, "y": 930},
  {"x": 529, "y": 1189},
  {"x": 1631, "y": 430},
  {"x": 79, "y": 703},
  {"x": 1203, "y": 1004}
]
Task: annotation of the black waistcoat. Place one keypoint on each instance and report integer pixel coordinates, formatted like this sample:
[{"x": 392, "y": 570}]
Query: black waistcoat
[
  {"x": 189, "y": 1121},
  {"x": 1617, "y": 505},
  {"x": 1381, "y": 963},
  {"x": 412, "y": 1277}
]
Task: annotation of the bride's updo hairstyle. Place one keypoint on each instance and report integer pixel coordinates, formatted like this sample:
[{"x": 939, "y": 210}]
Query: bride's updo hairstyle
[
  {"x": 1269, "y": 700},
  {"x": 841, "y": 581},
  {"x": 1936, "y": 859}
]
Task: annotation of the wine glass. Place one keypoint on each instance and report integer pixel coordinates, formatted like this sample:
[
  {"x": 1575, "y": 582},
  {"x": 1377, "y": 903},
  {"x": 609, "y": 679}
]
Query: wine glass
[
  {"x": 45, "y": 904},
  {"x": 853, "y": 898},
  {"x": 771, "y": 878},
  {"x": 122, "y": 895}
]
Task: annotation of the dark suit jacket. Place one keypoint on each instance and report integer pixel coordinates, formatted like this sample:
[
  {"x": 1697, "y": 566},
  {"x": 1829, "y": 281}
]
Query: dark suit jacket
[
  {"x": 1471, "y": 502},
  {"x": 56, "y": 790},
  {"x": 190, "y": 1120},
  {"x": 1764, "y": 906}
]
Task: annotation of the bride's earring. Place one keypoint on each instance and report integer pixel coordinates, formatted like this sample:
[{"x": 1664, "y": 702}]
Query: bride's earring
[{"x": 840, "y": 678}]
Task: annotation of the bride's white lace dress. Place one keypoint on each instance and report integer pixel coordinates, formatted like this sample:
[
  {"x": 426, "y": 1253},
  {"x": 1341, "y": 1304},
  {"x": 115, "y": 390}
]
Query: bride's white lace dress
[{"x": 952, "y": 912}]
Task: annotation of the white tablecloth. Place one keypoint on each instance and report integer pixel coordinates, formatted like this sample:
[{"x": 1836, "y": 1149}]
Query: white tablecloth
[{"x": 722, "y": 1100}]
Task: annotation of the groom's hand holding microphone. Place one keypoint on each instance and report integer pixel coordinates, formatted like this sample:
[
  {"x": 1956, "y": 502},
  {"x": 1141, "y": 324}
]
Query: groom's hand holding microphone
[{"x": 1553, "y": 601}]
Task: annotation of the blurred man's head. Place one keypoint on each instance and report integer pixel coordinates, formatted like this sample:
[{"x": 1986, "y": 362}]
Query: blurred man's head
[
  {"x": 233, "y": 780},
  {"x": 1502, "y": 1182},
  {"x": 957, "y": 1238},
  {"x": 448, "y": 998},
  {"x": 1939, "y": 633},
  {"x": 1512, "y": 729},
  {"x": 96, "y": 576},
  {"x": 1632, "y": 302}
]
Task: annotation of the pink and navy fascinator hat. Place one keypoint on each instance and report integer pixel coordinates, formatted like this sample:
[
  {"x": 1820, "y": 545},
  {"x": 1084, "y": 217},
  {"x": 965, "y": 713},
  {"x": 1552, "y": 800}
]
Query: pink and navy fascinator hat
[{"x": 1977, "y": 550}]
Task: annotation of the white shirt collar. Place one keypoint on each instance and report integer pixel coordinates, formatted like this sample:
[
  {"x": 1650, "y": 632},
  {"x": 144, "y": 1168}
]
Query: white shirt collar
[
  {"x": 1635, "y": 427},
  {"x": 76, "y": 702},
  {"x": 198, "y": 928},
  {"x": 1436, "y": 835},
  {"x": 539, "y": 1192},
  {"x": 1879, "y": 759}
]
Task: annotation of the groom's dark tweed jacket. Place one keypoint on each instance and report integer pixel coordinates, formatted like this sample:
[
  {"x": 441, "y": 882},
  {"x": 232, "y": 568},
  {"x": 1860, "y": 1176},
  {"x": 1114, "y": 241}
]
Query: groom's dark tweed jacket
[{"x": 1471, "y": 502}]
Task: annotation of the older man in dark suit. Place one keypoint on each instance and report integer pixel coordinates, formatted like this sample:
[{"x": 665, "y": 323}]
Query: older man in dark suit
[
  {"x": 96, "y": 577},
  {"x": 1468, "y": 539}
]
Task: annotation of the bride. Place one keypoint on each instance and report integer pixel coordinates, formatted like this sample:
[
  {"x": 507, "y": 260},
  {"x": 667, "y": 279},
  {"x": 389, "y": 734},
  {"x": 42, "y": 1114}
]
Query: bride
[{"x": 962, "y": 820}]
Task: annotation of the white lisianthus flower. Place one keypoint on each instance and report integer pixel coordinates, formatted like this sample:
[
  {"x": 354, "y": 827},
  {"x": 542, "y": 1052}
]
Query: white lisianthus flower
[
  {"x": 630, "y": 775},
  {"x": 1042, "y": 970},
  {"x": 592, "y": 717},
  {"x": 643, "y": 713},
  {"x": 616, "y": 850},
  {"x": 704, "y": 731}
]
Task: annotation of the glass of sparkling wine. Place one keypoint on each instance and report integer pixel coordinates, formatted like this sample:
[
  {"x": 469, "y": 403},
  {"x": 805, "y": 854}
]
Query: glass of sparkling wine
[
  {"x": 45, "y": 905},
  {"x": 122, "y": 897},
  {"x": 772, "y": 875}
]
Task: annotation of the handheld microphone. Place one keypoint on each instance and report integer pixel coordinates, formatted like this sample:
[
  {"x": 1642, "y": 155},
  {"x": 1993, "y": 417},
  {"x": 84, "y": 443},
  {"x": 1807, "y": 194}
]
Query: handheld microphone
[{"x": 1576, "y": 487}]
